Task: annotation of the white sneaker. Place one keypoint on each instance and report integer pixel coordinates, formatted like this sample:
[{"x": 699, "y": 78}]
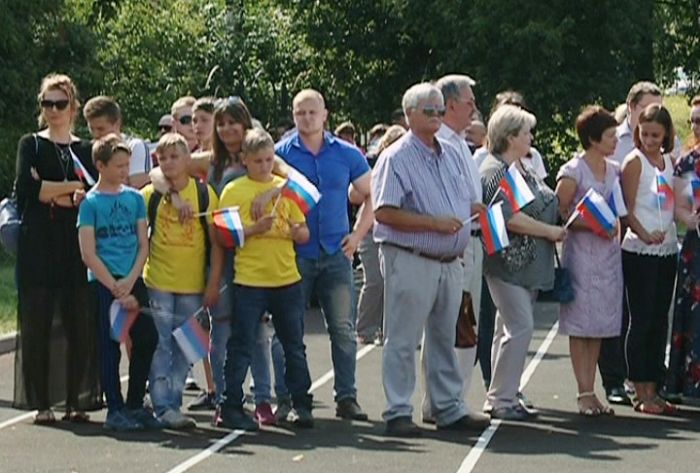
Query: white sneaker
[{"x": 177, "y": 420}]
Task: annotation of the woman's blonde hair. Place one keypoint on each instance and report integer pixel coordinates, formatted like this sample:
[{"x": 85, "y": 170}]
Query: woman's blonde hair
[
  {"x": 393, "y": 133},
  {"x": 66, "y": 85},
  {"x": 507, "y": 121}
]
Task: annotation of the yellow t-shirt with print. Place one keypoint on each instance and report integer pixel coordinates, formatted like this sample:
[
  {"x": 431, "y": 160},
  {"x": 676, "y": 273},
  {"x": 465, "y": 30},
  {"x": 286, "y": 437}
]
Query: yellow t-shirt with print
[
  {"x": 177, "y": 257},
  {"x": 267, "y": 259}
]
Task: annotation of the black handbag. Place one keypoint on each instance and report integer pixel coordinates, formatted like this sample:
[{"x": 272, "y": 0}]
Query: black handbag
[{"x": 563, "y": 290}]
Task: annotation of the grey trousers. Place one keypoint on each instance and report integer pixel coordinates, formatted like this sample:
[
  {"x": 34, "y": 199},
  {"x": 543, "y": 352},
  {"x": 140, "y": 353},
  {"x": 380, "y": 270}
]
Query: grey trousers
[
  {"x": 472, "y": 262},
  {"x": 511, "y": 338},
  {"x": 420, "y": 294},
  {"x": 370, "y": 306}
]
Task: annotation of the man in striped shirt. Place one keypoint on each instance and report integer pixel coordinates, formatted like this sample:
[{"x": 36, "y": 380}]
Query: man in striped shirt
[{"x": 422, "y": 201}]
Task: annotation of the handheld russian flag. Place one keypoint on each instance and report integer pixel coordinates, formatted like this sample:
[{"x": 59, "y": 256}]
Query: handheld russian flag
[
  {"x": 514, "y": 186},
  {"x": 300, "y": 190},
  {"x": 120, "y": 321},
  {"x": 228, "y": 223},
  {"x": 493, "y": 229},
  {"x": 192, "y": 339},
  {"x": 663, "y": 190},
  {"x": 596, "y": 213},
  {"x": 80, "y": 170},
  {"x": 617, "y": 201},
  {"x": 695, "y": 189}
]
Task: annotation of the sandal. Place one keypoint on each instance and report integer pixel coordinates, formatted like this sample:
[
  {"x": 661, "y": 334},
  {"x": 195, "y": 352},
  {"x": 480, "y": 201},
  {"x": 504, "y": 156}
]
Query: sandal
[
  {"x": 667, "y": 408},
  {"x": 77, "y": 417},
  {"x": 589, "y": 411},
  {"x": 649, "y": 407},
  {"x": 45, "y": 417}
]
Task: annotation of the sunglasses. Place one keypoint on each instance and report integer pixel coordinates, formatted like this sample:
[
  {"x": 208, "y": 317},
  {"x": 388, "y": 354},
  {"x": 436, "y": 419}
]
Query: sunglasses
[
  {"x": 185, "y": 119},
  {"x": 433, "y": 111},
  {"x": 165, "y": 128},
  {"x": 57, "y": 104},
  {"x": 694, "y": 121},
  {"x": 230, "y": 100}
]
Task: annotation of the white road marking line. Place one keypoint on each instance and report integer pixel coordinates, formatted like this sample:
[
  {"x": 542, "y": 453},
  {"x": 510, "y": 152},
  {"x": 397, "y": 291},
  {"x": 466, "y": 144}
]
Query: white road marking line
[
  {"x": 27, "y": 415},
  {"x": 478, "y": 449},
  {"x": 222, "y": 442}
]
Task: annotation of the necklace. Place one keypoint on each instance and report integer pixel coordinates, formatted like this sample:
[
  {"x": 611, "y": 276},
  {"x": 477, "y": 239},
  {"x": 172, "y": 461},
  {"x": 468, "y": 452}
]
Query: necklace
[{"x": 64, "y": 159}]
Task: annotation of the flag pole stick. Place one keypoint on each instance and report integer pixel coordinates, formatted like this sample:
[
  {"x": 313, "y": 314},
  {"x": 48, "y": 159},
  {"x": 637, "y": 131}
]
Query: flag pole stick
[
  {"x": 274, "y": 207},
  {"x": 571, "y": 220}
]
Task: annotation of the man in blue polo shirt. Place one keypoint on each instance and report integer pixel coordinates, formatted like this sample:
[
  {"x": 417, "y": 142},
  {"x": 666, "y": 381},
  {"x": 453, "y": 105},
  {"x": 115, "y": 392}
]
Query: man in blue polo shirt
[{"x": 325, "y": 261}]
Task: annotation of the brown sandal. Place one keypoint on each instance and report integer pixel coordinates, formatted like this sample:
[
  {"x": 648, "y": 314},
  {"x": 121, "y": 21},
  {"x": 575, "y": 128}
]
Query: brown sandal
[{"x": 78, "y": 417}]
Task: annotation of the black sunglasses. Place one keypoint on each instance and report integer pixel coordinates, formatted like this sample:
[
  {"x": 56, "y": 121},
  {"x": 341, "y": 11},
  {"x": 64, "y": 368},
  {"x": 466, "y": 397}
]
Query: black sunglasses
[
  {"x": 165, "y": 128},
  {"x": 433, "y": 111},
  {"x": 57, "y": 104},
  {"x": 185, "y": 119}
]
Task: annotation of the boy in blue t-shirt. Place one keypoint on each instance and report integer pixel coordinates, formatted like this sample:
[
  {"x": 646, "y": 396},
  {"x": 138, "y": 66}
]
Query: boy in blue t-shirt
[{"x": 114, "y": 247}]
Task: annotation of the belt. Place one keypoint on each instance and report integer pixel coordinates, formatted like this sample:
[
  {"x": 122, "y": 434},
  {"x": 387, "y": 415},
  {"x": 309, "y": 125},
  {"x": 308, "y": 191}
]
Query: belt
[
  {"x": 441, "y": 259},
  {"x": 476, "y": 232}
]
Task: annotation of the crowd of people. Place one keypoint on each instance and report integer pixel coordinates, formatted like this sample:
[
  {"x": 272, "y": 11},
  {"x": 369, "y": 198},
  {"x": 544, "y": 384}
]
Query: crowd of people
[{"x": 112, "y": 219}]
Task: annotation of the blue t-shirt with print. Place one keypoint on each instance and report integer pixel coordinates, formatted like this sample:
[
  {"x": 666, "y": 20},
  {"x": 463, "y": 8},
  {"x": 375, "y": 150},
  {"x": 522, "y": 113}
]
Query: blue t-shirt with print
[{"x": 114, "y": 217}]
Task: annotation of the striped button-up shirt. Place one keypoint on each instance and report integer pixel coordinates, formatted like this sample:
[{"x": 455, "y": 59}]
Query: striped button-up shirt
[{"x": 412, "y": 177}]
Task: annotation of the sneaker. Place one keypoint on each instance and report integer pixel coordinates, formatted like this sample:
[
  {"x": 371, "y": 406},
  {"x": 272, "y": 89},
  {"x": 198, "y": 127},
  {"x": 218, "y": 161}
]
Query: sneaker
[
  {"x": 349, "y": 409},
  {"x": 303, "y": 417},
  {"x": 515, "y": 413},
  {"x": 191, "y": 384},
  {"x": 203, "y": 402},
  {"x": 618, "y": 395},
  {"x": 263, "y": 414},
  {"x": 284, "y": 407},
  {"x": 146, "y": 418},
  {"x": 524, "y": 401},
  {"x": 120, "y": 421},
  {"x": 471, "y": 423},
  {"x": 173, "y": 419},
  {"x": 236, "y": 419}
]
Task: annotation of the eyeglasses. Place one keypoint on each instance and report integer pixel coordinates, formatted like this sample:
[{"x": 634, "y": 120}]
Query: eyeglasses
[
  {"x": 185, "y": 119},
  {"x": 694, "y": 121},
  {"x": 57, "y": 104},
  {"x": 230, "y": 100},
  {"x": 433, "y": 111},
  {"x": 165, "y": 128}
]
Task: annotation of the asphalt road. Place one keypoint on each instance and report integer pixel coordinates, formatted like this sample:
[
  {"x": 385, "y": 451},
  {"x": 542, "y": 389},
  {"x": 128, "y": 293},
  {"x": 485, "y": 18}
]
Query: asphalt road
[{"x": 560, "y": 440}]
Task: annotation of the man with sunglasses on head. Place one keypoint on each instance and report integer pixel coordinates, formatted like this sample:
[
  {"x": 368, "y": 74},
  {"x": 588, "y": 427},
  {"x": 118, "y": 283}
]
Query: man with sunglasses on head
[
  {"x": 182, "y": 120},
  {"x": 423, "y": 201}
]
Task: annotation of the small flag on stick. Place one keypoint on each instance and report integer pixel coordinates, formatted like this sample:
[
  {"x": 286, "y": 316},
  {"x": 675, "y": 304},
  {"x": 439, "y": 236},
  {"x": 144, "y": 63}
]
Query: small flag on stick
[
  {"x": 192, "y": 339},
  {"x": 301, "y": 191},
  {"x": 493, "y": 229},
  {"x": 514, "y": 186},
  {"x": 228, "y": 223},
  {"x": 120, "y": 321}
]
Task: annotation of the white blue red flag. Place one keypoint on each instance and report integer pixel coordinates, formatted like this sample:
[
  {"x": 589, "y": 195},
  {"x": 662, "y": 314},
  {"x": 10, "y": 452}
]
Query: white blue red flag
[
  {"x": 617, "y": 201},
  {"x": 493, "y": 229},
  {"x": 596, "y": 213},
  {"x": 230, "y": 227},
  {"x": 80, "y": 170},
  {"x": 120, "y": 321},
  {"x": 300, "y": 190},
  {"x": 192, "y": 339},
  {"x": 514, "y": 186}
]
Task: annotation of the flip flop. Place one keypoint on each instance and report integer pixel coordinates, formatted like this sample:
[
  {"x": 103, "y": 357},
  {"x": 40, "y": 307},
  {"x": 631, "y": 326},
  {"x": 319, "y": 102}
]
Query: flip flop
[
  {"x": 588, "y": 411},
  {"x": 45, "y": 417}
]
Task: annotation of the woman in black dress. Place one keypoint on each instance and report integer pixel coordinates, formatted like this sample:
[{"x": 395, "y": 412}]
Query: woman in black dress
[{"x": 56, "y": 357}]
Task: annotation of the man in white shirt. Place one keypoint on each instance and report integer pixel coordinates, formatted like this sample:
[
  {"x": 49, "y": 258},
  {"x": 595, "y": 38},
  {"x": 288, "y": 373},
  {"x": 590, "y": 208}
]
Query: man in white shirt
[
  {"x": 641, "y": 95},
  {"x": 103, "y": 117},
  {"x": 459, "y": 108}
]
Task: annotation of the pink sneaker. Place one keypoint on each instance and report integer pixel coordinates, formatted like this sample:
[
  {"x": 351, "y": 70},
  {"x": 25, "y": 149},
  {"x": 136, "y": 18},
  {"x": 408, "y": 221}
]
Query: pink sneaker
[{"x": 264, "y": 415}]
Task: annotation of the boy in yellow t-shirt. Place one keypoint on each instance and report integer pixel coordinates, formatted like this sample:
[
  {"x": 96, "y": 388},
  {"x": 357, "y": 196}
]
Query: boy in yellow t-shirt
[
  {"x": 266, "y": 279},
  {"x": 175, "y": 274}
]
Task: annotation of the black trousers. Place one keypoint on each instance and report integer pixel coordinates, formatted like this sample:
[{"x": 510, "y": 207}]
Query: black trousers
[{"x": 649, "y": 282}]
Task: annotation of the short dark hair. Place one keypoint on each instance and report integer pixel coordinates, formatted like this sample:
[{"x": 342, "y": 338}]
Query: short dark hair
[
  {"x": 104, "y": 148},
  {"x": 102, "y": 106},
  {"x": 657, "y": 113},
  {"x": 206, "y": 104},
  {"x": 640, "y": 89},
  {"x": 592, "y": 123}
]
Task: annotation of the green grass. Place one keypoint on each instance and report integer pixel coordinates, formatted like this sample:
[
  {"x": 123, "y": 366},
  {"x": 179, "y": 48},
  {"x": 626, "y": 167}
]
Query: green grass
[
  {"x": 8, "y": 294},
  {"x": 678, "y": 106}
]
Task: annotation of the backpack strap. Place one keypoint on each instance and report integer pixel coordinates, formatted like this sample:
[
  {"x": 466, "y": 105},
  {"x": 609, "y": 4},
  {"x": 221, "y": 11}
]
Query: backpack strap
[
  {"x": 203, "y": 201},
  {"x": 152, "y": 210}
]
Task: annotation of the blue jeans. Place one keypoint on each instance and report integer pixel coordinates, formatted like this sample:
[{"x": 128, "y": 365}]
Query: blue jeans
[
  {"x": 268, "y": 350},
  {"x": 286, "y": 305},
  {"x": 170, "y": 366},
  {"x": 331, "y": 276}
]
